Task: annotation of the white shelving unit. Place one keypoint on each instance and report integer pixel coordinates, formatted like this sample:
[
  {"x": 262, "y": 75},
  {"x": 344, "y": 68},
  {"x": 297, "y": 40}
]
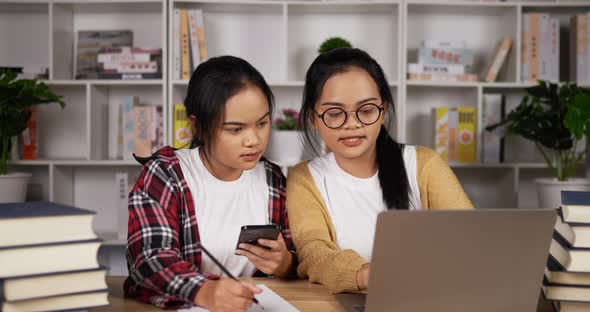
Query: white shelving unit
[{"x": 280, "y": 38}]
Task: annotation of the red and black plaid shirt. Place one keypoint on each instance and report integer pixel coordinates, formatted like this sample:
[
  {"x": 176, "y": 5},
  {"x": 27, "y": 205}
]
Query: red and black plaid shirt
[{"x": 162, "y": 258}]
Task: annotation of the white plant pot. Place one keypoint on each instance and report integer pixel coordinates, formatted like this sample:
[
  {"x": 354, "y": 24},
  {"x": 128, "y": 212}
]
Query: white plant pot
[
  {"x": 549, "y": 190},
  {"x": 285, "y": 147},
  {"x": 13, "y": 187}
]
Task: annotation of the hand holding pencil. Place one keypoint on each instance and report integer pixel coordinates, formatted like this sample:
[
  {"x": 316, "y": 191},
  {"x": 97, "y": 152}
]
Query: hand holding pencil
[{"x": 226, "y": 294}]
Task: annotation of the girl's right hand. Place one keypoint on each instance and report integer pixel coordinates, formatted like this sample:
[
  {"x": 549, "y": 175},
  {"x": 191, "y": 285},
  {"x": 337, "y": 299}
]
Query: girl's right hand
[{"x": 226, "y": 294}]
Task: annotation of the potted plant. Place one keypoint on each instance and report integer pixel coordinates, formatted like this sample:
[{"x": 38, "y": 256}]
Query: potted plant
[
  {"x": 285, "y": 145},
  {"x": 333, "y": 43},
  {"x": 557, "y": 119},
  {"x": 17, "y": 97}
]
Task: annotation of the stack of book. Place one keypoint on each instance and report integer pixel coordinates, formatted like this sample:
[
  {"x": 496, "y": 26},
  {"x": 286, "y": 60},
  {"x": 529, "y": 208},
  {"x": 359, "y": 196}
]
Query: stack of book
[
  {"x": 567, "y": 276},
  {"x": 48, "y": 258},
  {"x": 443, "y": 61}
]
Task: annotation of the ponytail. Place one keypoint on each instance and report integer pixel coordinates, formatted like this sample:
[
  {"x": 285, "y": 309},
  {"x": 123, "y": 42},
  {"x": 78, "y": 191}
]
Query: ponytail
[{"x": 392, "y": 172}]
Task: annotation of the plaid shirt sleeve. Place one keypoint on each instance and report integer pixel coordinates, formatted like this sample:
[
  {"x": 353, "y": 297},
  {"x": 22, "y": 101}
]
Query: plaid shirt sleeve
[
  {"x": 278, "y": 209},
  {"x": 158, "y": 273}
]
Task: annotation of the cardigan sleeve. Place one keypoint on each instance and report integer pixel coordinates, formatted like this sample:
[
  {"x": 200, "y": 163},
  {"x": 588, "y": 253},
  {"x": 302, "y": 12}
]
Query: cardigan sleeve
[
  {"x": 439, "y": 187},
  {"x": 320, "y": 259}
]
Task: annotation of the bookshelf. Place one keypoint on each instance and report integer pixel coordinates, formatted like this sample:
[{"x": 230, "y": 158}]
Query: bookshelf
[{"x": 279, "y": 38}]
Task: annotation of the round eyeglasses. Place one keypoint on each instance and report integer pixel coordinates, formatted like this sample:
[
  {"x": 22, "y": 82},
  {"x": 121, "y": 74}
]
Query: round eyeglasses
[{"x": 336, "y": 117}]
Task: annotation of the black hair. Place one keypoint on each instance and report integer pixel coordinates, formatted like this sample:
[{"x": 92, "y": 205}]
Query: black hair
[
  {"x": 212, "y": 83},
  {"x": 392, "y": 171}
]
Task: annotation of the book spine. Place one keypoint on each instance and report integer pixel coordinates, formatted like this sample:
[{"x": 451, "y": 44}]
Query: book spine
[
  {"x": 587, "y": 45},
  {"x": 194, "y": 38},
  {"x": 466, "y": 139},
  {"x": 555, "y": 41},
  {"x": 443, "y": 77},
  {"x": 491, "y": 141},
  {"x": 441, "y": 131},
  {"x": 128, "y": 128},
  {"x": 453, "y": 124},
  {"x": 499, "y": 59},
  {"x": 185, "y": 42},
  {"x": 524, "y": 57},
  {"x": 143, "y": 130},
  {"x": 582, "y": 48},
  {"x": 454, "y": 69},
  {"x": 114, "y": 129},
  {"x": 176, "y": 44},
  {"x": 201, "y": 33},
  {"x": 443, "y": 44},
  {"x": 544, "y": 43},
  {"x": 533, "y": 47}
]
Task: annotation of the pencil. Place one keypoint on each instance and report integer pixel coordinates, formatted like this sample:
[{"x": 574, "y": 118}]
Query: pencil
[{"x": 223, "y": 269}]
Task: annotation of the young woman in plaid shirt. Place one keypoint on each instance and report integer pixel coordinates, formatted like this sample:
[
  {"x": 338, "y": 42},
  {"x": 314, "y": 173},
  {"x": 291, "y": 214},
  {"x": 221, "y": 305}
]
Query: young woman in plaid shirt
[{"x": 205, "y": 194}]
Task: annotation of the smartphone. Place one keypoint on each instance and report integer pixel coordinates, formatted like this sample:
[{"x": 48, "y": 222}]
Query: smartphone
[{"x": 250, "y": 234}]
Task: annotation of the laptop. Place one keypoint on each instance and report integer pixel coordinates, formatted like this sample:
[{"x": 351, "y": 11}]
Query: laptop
[{"x": 457, "y": 260}]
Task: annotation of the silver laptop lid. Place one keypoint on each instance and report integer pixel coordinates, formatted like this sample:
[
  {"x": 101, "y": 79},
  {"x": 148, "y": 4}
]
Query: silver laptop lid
[{"x": 471, "y": 260}]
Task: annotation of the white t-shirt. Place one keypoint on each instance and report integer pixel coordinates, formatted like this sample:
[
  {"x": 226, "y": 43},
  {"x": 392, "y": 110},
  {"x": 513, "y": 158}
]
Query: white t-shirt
[
  {"x": 222, "y": 208},
  {"x": 354, "y": 203}
]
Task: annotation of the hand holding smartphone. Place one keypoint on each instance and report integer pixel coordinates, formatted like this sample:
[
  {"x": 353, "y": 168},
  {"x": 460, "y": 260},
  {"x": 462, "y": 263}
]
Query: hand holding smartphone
[{"x": 250, "y": 234}]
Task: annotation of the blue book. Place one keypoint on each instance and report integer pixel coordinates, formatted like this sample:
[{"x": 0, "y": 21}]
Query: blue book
[
  {"x": 578, "y": 198},
  {"x": 575, "y": 207},
  {"x": 34, "y": 223}
]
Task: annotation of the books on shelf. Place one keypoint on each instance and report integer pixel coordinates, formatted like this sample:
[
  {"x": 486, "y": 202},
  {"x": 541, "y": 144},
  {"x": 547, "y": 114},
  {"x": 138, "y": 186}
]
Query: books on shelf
[
  {"x": 440, "y": 60},
  {"x": 110, "y": 54},
  {"x": 540, "y": 47},
  {"x": 454, "y": 136},
  {"x": 49, "y": 258},
  {"x": 499, "y": 59},
  {"x": 189, "y": 39},
  {"x": 567, "y": 275},
  {"x": 134, "y": 127}
]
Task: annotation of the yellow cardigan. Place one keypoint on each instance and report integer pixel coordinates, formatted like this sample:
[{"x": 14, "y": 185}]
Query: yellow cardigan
[{"x": 315, "y": 237}]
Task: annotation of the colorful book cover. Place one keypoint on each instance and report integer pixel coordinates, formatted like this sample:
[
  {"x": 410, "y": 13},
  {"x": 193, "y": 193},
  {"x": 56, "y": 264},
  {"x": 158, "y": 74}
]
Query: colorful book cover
[
  {"x": 182, "y": 130},
  {"x": 441, "y": 131},
  {"x": 466, "y": 127},
  {"x": 143, "y": 131}
]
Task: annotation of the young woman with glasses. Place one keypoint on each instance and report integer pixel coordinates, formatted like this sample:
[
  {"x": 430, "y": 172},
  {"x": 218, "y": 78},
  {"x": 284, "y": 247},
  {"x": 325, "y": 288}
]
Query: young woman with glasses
[{"x": 335, "y": 198}]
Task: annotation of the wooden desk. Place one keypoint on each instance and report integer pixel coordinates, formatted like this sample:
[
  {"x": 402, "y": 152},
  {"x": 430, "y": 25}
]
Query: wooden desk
[{"x": 304, "y": 295}]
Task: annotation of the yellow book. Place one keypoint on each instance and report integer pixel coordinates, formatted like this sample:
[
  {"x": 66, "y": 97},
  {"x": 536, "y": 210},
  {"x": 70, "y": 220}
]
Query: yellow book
[
  {"x": 441, "y": 131},
  {"x": 185, "y": 62},
  {"x": 182, "y": 130},
  {"x": 466, "y": 147}
]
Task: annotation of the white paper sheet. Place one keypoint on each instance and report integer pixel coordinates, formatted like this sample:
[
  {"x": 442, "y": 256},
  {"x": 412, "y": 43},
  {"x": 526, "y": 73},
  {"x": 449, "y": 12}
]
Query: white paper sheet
[{"x": 268, "y": 299}]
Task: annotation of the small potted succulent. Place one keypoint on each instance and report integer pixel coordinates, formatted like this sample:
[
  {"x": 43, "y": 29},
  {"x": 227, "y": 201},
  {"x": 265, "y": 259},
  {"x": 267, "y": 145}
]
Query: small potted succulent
[{"x": 285, "y": 146}]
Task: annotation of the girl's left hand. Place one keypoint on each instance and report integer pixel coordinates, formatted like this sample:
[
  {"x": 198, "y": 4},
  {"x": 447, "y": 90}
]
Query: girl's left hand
[{"x": 276, "y": 261}]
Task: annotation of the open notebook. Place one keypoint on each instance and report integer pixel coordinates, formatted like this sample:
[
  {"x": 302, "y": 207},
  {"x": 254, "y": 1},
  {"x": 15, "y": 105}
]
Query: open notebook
[{"x": 268, "y": 299}]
